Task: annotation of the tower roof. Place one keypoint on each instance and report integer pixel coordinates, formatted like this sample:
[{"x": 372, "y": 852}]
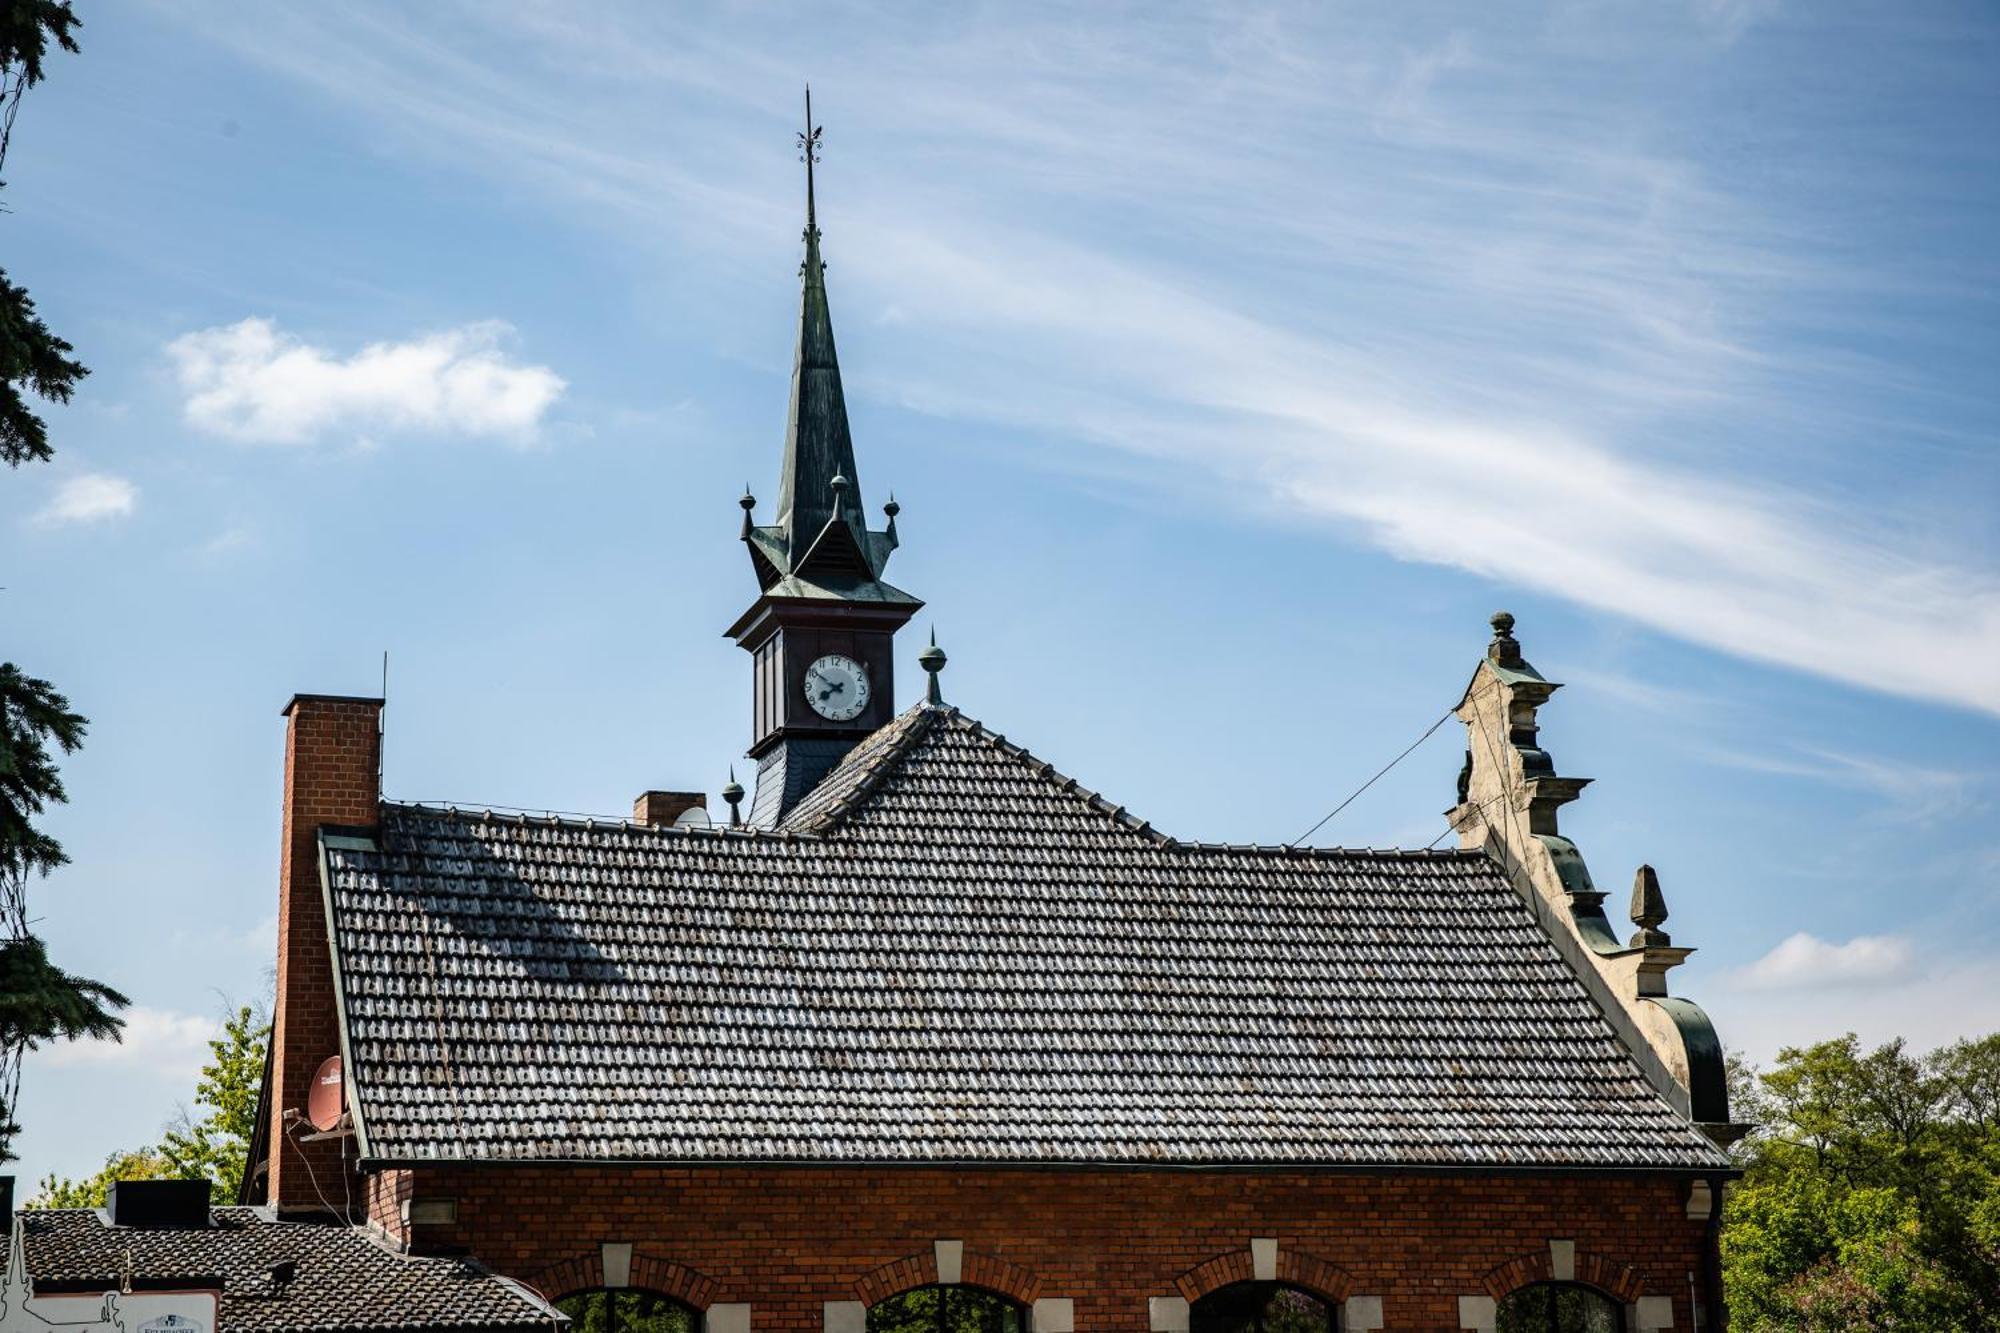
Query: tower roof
[{"x": 820, "y": 544}]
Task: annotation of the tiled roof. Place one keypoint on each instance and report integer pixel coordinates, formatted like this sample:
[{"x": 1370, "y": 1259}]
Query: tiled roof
[
  {"x": 344, "y": 1279},
  {"x": 950, "y": 952}
]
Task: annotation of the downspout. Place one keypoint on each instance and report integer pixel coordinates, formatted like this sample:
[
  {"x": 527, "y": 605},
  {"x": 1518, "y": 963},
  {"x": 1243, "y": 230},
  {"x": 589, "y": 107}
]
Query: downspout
[{"x": 1711, "y": 1261}]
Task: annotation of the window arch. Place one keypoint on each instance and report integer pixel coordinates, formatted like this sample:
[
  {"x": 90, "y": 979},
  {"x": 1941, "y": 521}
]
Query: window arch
[
  {"x": 946, "y": 1309},
  {"x": 1559, "y": 1307},
  {"x": 628, "y": 1310},
  {"x": 1262, "y": 1307}
]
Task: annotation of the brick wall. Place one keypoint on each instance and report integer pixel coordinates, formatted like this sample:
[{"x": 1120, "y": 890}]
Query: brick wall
[
  {"x": 332, "y": 753},
  {"x": 787, "y": 1240}
]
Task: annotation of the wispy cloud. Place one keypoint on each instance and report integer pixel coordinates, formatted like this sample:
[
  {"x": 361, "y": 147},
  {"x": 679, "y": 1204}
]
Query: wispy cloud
[
  {"x": 91, "y": 497},
  {"x": 253, "y": 382},
  {"x": 1468, "y": 320},
  {"x": 1806, "y": 961},
  {"x": 1919, "y": 793}
]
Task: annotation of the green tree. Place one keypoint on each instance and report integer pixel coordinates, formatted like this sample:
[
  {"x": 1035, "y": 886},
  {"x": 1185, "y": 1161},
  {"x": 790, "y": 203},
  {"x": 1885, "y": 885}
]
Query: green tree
[
  {"x": 217, "y": 1146},
  {"x": 32, "y": 357},
  {"x": 93, "y": 1191},
  {"x": 1871, "y": 1191}
]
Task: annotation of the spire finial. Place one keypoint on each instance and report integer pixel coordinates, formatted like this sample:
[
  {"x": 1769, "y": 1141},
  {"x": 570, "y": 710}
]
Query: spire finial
[
  {"x": 749, "y": 502},
  {"x": 932, "y": 660},
  {"x": 1649, "y": 909},
  {"x": 809, "y": 154},
  {"x": 839, "y": 485},
  {"x": 733, "y": 795}
]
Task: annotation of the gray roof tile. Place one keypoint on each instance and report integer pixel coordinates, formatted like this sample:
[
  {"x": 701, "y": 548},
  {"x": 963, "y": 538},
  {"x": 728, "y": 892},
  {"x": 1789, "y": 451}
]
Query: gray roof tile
[
  {"x": 950, "y": 952},
  {"x": 344, "y": 1280}
]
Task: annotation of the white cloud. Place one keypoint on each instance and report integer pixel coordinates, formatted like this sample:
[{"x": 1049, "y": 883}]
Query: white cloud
[
  {"x": 251, "y": 381},
  {"x": 91, "y": 497},
  {"x": 156, "y": 1041},
  {"x": 1946, "y": 1000},
  {"x": 1804, "y": 961}
]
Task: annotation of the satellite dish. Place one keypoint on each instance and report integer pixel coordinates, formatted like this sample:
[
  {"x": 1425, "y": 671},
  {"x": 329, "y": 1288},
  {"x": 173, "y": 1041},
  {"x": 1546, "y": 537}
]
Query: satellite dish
[
  {"x": 695, "y": 816},
  {"x": 326, "y": 1104}
]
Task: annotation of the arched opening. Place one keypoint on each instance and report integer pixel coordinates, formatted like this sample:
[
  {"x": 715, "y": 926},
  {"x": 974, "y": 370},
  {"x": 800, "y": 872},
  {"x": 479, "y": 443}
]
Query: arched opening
[
  {"x": 946, "y": 1309},
  {"x": 1559, "y": 1307},
  {"x": 1263, "y": 1307},
  {"x": 628, "y": 1310}
]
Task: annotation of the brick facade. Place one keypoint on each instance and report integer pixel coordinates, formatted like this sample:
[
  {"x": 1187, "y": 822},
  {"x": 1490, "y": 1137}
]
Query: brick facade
[
  {"x": 786, "y": 1241},
  {"x": 332, "y": 776}
]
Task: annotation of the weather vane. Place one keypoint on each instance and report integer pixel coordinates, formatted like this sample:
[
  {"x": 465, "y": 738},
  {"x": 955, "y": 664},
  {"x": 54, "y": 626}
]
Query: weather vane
[
  {"x": 809, "y": 137},
  {"x": 809, "y": 154}
]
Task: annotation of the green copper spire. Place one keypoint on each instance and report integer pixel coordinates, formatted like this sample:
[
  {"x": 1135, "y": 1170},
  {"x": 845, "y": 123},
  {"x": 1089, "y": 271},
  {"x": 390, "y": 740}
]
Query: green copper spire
[{"x": 821, "y": 534}]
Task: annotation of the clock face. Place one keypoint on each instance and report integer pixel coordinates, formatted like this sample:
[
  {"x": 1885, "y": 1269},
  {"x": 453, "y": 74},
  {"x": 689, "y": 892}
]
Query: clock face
[{"x": 837, "y": 688}]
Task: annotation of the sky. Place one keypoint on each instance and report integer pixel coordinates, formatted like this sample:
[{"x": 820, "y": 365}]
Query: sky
[{"x": 1231, "y": 365}]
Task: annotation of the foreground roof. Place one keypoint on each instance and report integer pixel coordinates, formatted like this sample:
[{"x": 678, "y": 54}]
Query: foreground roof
[
  {"x": 343, "y": 1280},
  {"x": 948, "y": 952}
]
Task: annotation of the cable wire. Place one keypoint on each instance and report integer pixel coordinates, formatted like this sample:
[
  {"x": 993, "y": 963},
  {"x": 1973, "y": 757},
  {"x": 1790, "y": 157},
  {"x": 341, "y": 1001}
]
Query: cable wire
[{"x": 1446, "y": 717}]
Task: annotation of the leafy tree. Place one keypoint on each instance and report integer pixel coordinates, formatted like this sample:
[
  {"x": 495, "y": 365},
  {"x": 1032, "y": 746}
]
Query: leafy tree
[
  {"x": 217, "y": 1146},
  {"x": 94, "y": 1191},
  {"x": 1871, "y": 1193},
  {"x": 32, "y": 357}
]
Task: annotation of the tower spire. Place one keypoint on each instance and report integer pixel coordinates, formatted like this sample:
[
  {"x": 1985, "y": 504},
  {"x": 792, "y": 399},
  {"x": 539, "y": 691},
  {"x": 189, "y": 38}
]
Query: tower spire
[
  {"x": 818, "y": 447},
  {"x": 822, "y": 605}
]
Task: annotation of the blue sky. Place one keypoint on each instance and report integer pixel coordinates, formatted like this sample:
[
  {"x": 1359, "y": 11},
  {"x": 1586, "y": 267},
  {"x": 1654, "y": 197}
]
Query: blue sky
[{"x": 1231, "y": 365}]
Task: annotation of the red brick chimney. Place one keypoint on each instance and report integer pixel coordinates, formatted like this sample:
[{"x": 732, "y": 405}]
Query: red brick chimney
[
  {"x": 333, "y": 749},
  {"x": 662, "y": 808}
]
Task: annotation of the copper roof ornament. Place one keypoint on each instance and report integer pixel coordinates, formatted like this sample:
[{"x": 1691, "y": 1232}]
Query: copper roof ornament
[
  {"x": 732, "y": 795},
  {"x": 932, "y": 660}
]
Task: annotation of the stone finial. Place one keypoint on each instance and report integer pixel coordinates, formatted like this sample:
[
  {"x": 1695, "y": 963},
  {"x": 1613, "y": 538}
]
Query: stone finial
[
  {"x": 1505, "y": 649},
  {"x": 749, "y": 502},
  {"x": 932, "y": 660},
  {"x": 732, "y": 794},
  {"x": 1649, "y": 909}
]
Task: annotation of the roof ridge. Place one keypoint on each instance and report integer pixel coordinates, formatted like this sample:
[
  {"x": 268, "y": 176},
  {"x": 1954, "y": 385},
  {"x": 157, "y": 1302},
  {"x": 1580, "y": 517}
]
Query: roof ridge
[{"x": 1064, "y": 783}]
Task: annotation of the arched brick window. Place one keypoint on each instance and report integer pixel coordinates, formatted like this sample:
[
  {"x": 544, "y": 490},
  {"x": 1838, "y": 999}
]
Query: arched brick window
[
  {"x": 946, "y": 1309},
  {"x": 1559, "y": 1307},
  {"x": 628, "y": 1310},
  {"x": 1262, "y": 1307}
]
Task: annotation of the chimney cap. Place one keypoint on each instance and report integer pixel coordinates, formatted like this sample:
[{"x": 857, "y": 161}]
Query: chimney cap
[{"x": 298, "y": 699}]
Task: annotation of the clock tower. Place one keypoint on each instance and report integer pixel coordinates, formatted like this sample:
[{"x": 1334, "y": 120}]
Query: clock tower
[{"x": 821, "y": 633}]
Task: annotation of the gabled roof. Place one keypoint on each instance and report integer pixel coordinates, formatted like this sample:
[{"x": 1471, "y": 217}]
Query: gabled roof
[
  {"x": 343, "y": 1279},
  {"x": 949, "y": 952}
]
